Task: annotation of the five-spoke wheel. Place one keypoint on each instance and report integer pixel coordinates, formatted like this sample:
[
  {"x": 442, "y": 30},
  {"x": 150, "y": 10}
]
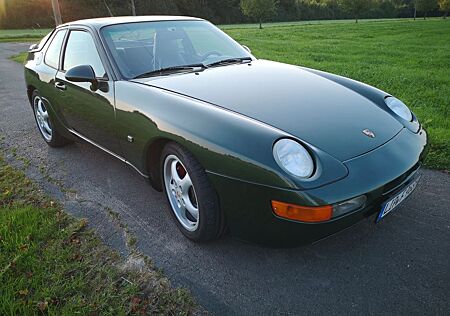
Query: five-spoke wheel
[
  {"x": 44, "y": 122},
  {"x": 42, "y": 118},
  {"x": 181, "y": 193},
  {"x": 191, "y": 197}
]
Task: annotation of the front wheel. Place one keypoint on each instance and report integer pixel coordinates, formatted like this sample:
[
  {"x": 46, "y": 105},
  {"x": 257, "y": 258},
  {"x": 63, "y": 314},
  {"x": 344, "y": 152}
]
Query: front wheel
[
  {"x": 44, "y": 123},
  {"x": 191, "y": 197}
]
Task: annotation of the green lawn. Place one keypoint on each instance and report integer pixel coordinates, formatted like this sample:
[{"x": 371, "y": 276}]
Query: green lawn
[
  {"x": 23, "y": 35},
  {"x": 408, "y": 59},
  {"x": 309, "y": 22},
  {"x": 50, "y": 263},
  {"x": 20, "y": 58}
]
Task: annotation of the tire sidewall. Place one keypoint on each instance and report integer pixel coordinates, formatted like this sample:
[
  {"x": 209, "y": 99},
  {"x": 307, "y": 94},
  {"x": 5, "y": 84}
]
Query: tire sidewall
[
  {"x": 57, "y": 140},
  {"x": 33, "y": 98},
  {"x": 205, "y": 203}
]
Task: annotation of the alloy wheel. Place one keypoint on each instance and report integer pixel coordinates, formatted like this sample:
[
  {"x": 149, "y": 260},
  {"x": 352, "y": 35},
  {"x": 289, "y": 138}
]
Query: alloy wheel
[
  {"x": 181, "y": 193},
  {"x": 42, "y": 118}
]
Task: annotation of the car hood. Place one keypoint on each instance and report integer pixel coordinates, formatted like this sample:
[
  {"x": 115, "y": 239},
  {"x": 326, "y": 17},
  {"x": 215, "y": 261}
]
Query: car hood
[{"x": 317, "y": 110}]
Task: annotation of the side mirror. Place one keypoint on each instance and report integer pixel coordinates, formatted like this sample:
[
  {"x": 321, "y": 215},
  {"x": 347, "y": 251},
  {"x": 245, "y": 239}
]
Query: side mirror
[
  {"x": 247, "y": 49},
  {"x": 33, "y": 47},
  {"x": 83, "y": 73}
]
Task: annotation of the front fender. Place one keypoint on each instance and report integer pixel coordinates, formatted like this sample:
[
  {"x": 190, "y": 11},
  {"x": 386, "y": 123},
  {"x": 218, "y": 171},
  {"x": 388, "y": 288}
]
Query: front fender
[{"x": 226, "y": 143}]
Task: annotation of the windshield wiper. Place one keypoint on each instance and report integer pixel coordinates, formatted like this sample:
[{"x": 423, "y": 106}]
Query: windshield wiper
[
  {"x": 169, "y": 70},
  {"x": 229, "y": 61}
]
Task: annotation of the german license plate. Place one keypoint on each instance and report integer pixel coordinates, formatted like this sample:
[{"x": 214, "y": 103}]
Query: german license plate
[{"x": 396, "y": 200}]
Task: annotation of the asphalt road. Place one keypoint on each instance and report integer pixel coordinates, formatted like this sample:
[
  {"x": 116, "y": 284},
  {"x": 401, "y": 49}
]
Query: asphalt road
[{"x": 400, "y": 266}]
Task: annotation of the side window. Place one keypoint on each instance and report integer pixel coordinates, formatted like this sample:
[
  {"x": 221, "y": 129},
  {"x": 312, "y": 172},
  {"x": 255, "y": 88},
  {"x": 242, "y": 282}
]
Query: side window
[
  {"x": 53, "y": 51},
  {"x": 81, "y": 50}
]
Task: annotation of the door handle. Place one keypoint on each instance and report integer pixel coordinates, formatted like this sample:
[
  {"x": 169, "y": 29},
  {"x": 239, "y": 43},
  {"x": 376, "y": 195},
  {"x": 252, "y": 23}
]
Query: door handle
[{"x": 60, "y": 85}]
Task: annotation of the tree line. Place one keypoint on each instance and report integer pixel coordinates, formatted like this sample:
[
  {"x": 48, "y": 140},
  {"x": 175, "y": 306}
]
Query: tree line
[{"x": 39, "y": 14}]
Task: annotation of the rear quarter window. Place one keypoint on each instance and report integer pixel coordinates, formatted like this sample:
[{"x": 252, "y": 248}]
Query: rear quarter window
[
  {"x": 43, "y": 41},
  {"x": 54, "y": 50}
]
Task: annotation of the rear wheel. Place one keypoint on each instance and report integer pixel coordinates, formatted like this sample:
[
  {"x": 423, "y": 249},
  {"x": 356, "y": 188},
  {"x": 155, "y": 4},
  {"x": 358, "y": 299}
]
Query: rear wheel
[
  {"x": 191, "y": 197},
  {"x": 44, "y": 123}
]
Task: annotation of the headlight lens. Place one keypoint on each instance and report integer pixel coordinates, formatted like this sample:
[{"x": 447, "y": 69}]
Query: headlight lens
[
  {"x": 399, "y": 108},
  {"x": 293, "y": 158}
]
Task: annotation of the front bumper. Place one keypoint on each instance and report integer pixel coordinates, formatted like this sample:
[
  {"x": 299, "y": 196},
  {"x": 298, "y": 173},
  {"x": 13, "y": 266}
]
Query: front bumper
[{"x": 378, "y": 174}]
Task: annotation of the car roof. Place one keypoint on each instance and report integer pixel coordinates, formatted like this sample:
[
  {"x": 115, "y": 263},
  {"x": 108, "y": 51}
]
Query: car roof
[{"x": 100, "y": 22}]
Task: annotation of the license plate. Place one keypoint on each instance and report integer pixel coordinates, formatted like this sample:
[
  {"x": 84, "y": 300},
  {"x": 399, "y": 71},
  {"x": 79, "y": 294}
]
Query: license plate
[{"x": 396, "y": 200}]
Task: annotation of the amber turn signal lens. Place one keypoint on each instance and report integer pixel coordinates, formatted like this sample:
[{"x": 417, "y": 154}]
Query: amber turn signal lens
[{"x": 310, "y": 214}]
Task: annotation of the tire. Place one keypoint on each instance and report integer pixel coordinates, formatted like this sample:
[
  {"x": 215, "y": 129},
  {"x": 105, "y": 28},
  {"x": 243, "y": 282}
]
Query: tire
[
  {"x": 183, "y": 196},
  {"x": 44, "y": 123}
]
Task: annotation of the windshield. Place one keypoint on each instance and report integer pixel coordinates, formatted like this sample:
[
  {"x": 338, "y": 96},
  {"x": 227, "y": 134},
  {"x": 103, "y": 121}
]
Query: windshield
[{"x": 144, "y": 47}]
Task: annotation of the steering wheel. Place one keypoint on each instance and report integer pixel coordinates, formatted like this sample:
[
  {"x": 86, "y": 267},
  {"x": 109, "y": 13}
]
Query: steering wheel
[{"x": 211, "y": 53}]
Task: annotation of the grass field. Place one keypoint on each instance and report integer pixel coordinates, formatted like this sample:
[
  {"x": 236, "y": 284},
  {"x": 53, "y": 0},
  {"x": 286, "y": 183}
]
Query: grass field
[
  {"x": 51, "y": 264},
  {"x": 408, "y": 59},
  {"x": 22, "y": 35}
]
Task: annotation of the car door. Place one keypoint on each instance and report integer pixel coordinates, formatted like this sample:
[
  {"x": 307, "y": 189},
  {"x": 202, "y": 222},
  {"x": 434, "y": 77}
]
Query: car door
[
  {"x": 86, "y": 110},
  {"x": 47, "y": 65}
]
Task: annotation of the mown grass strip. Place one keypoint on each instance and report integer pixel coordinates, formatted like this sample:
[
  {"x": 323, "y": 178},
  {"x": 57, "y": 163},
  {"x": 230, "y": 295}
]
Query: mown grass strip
[
  {"x": 25, "y": 35},
  {"x": 20, "y": 58},
  {"x": 51, "y": 263},
  {"x": 20, "y": 40}
]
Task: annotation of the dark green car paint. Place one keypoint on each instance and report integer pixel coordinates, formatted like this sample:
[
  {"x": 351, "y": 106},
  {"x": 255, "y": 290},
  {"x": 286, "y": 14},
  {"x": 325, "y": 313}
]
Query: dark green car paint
[
  {"x": 378, "y": 174},
  {"x": 210, "y": 133},
  {"x": 229, "y": 118},
  {"x": 305, "y": 105}
]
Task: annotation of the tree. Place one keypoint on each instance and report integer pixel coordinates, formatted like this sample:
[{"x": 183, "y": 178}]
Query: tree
[
  {"x": 424, "y": 6},
  {"x": 444, "y": 6},
  {"x": 133, "y": 8},
  {"x": 259, "y": 9},
  {"x": 56, "y": 12},
  {"x": 356, "y": 7},
  {"x": 107, "y": 8}
]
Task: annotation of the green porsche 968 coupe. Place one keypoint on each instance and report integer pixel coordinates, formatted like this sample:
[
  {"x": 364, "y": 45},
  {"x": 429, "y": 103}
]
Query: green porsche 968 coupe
[{"x": 272, "y": 153}]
